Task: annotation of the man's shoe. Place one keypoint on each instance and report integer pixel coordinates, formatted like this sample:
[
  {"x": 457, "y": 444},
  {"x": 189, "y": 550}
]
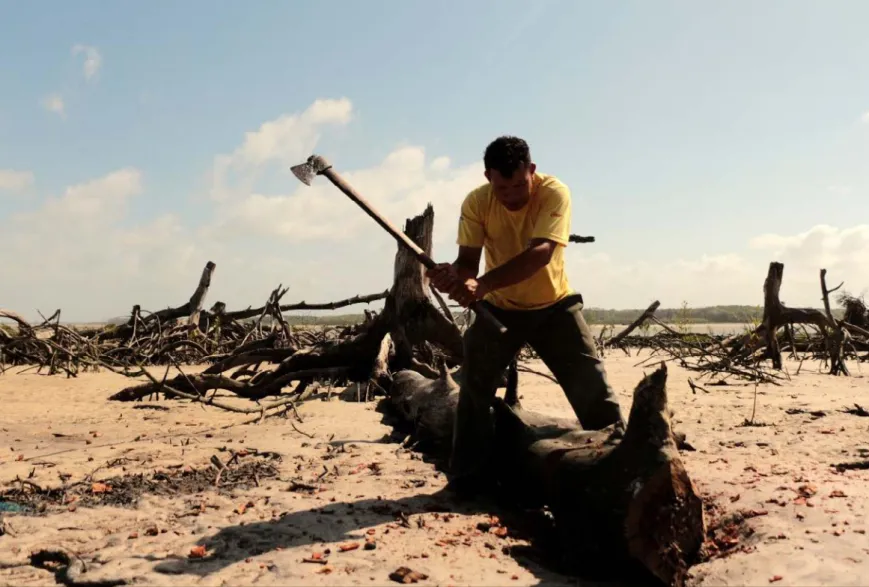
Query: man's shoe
[{"x": 617, "y": 434}]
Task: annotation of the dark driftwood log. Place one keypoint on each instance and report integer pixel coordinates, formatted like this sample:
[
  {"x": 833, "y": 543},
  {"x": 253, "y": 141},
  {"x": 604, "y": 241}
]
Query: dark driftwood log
[
  {"x": 775, "y": 316},
  {"x": 203, "y": 383},
  {"x": 403, "y": 336},
  {"x": 198, "y": 297},
  {"x": 187, "y": 310},
  {"x": 251, "y": 312},
  {"x": 630, "y": 500},
  {"x": 835, "y": 341},
  {"x": 411, "y": 320},
  {"x": 648, "y": 313}
]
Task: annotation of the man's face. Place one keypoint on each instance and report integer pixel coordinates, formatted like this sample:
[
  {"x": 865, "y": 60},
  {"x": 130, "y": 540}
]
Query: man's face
[{"x": 513, "y": 192}]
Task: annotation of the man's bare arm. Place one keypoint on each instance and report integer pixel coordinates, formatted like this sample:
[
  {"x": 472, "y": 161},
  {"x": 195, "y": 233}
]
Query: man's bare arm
[
  {"x": 449, "y": 277},
  {"x": 467, "y": 264},
  {"x": 521, "y": 267}
]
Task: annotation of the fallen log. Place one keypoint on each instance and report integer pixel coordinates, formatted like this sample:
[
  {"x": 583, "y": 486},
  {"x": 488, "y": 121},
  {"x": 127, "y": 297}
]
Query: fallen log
[
  {"x": 628, "y": 501},
  {"x": 190, "y": 310},
  {"x": 647, "y": 313},
  {"x": 357, "y": 299},
  {"x": 201, "y": 384}
]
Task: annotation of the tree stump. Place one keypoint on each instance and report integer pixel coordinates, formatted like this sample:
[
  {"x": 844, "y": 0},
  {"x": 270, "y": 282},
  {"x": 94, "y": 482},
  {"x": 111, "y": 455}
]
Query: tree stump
[{"x": 418, "y": 329}]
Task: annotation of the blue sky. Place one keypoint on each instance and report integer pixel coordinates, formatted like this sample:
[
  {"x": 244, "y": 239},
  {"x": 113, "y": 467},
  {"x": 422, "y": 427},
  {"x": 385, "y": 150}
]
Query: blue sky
[{"x": 701, "y": 140}]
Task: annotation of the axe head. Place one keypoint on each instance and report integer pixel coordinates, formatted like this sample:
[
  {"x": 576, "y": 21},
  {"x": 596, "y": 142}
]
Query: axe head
[{"x": 315, "y": 165}]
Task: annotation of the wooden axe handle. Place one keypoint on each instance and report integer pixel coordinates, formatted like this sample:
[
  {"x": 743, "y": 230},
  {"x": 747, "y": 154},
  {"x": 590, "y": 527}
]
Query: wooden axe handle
[{"x": 403, "y": 239}]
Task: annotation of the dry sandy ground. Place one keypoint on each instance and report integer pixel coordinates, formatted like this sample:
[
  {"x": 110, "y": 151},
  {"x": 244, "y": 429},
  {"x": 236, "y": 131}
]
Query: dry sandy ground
[{"x": 811, "y": 530}]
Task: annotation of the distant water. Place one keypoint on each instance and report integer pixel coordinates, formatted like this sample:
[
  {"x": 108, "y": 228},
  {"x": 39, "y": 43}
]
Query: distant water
[{"x": 714, "y": 329}]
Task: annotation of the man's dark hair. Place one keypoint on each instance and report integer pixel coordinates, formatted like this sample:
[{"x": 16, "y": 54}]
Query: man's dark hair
[{"x": 505, "y": 155}]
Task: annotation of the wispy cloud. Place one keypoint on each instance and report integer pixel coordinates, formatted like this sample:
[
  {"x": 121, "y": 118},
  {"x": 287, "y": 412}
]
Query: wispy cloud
[
  {"x": 92, "y": 62},
  {"x": 839, "y": 190},
  {"x": 90, "y": 233},
  {"x": 287, "y": 139},
  {"x": 15, "y": 181},
  {"x": 54, "y": 103},
  {"x": 865, "y": 117}
]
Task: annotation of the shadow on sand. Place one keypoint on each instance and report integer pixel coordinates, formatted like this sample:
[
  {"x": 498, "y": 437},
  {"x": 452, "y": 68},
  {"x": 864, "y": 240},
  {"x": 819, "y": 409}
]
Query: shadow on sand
[
  {"x": 347, "y": 521},
  {"x": 338, "y": 522}
]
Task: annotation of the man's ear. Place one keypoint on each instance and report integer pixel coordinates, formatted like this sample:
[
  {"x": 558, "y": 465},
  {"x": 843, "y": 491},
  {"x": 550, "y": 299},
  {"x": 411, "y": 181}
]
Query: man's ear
[
  {"x": 532, "y": 168},
  {"x": 486, "y": 173}
]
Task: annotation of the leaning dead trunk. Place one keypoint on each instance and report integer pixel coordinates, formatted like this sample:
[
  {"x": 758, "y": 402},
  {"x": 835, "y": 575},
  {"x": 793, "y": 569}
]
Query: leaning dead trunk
[
  {"x": 419, "y": 330},
  {"x": 630, "y": 501}
]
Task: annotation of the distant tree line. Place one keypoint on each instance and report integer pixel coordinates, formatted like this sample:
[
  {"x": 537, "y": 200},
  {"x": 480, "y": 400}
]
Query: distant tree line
[
  {"x": 596, "y": 316},
  {"x": 683, "y": 315}
]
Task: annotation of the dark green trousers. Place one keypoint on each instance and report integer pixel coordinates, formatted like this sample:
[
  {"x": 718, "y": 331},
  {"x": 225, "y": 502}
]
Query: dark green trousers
[{"x": 562, "y": 339}]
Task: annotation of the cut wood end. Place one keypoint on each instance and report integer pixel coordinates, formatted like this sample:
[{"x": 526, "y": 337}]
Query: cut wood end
[
  {"x": 649, "y": 420},
  {"x": 446, "y": 378},
  {"x": 665, "y": 526}
]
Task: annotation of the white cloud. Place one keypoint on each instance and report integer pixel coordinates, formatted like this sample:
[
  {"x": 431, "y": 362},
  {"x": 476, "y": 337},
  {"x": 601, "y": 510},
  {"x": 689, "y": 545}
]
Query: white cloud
[
  {"x": 54, "y": 103},
  {"x": 440, "y": 164},
  {"x": 844, "y": 252},
  {"x": 85, "y": 251},
  {"x": 15, "y": 181},
  {"x": 286, "y": 140},
  {"x": 734, "y": 278},
  {"x": 401, "y": 185},
  {"x": 865, "y": 117},
  {"x": 92, "y": 60},
  {"x": 95, "y": 202},
  {"x": 840, "y": 190}
]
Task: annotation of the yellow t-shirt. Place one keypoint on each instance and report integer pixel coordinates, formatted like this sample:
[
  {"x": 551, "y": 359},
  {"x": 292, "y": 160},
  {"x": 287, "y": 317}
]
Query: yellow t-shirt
[{"x": 503, "y": 234}]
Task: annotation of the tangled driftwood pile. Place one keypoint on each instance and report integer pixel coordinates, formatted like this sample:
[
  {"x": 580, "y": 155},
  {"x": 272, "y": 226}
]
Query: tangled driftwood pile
[
  {"x": 186, "y": 334},
  {"x": 806, "y": 333}
]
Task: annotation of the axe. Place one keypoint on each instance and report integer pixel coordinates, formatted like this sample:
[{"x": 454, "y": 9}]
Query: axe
[{"x": 318, "y": 165}]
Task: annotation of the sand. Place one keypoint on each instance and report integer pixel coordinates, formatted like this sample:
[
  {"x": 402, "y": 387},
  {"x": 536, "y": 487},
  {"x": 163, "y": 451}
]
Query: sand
[{"x": 808, "y": 526}]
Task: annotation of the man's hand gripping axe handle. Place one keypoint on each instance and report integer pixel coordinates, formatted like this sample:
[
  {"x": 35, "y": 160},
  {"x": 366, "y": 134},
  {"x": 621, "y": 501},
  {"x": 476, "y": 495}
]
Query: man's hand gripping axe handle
[{"x": 317, "y": 165}]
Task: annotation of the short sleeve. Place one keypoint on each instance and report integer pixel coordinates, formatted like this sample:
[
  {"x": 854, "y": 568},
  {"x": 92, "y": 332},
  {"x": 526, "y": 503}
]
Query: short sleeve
[
  {"x": 553, "y": 218},
  {"x": 471, "y": 229}
]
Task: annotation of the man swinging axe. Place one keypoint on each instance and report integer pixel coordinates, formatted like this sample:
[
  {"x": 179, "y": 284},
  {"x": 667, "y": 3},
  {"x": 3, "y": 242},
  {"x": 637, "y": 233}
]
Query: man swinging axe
[{"x": 522, "y": 219}]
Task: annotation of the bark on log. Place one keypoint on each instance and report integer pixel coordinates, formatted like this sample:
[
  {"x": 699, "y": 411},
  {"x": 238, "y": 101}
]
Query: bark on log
[
  {"x": 630, "y": 501},
  {"x": 415, "y": 322}
]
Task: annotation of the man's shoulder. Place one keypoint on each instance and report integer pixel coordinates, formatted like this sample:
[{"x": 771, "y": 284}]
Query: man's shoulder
[
  {"x": 551, "y": 184},
  {"x": 478, "y": 196}
]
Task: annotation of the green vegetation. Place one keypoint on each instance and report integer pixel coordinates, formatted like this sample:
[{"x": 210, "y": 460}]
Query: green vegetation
[
  {"x": 679, "y": 317},
  {"x": 323, "y": 320}
]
